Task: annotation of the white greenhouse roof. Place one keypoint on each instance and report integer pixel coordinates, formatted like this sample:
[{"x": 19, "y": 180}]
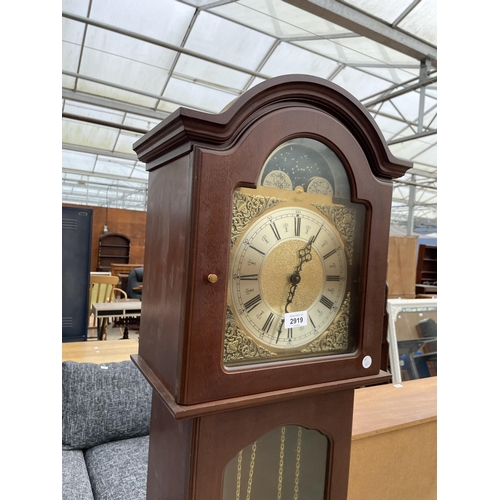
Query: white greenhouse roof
[{"x": 127, "y": 65}]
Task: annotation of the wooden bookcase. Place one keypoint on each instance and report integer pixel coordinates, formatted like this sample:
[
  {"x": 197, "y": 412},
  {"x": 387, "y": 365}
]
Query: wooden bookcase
[
  {"x": 426, "y": 280},
  {"x": 113, "y": 248}
]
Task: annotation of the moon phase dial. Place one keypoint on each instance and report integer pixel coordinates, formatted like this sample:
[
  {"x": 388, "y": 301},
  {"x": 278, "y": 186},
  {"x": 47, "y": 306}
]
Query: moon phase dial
[{"x": 289, "y": 261}]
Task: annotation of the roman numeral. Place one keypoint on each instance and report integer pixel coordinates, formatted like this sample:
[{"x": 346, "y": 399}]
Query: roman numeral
[
  {"x": 326, "y": 302},
  {"x": 249, "y": 277},
  {"x": 297, "y": 225},
  {"x": 290, "y": 334},
  {"x": 332, "y": 278},
  {"x": 275, "y": 231},
  {"x": 257, "y": 250},
  {"x": 329, "y": 254},
  {"x": 268, "y": 323},
  {"x": 252, "y": 303}
]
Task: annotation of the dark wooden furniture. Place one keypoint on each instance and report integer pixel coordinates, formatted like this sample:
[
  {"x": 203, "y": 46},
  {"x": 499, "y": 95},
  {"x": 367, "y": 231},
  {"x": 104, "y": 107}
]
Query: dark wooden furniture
[
  {"x": 76, "y": 248},
  {"x": 426, "y": 278},
  {"x": 113, "y": 247},
  {"x": 205, "y": 414}
]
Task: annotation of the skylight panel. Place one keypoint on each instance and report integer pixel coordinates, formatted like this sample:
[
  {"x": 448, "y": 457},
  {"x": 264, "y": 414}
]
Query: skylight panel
[
  {"x": 358, "y": 83},
  {"x": 77, "y": 161},
  {"x": 387, "y": 10},
  {"x": 72, "y": 31},
  {"x": 422, "y": 21},
  {"x": 277, "y": 18},
  {"x": 199, "y": 96},
  {"x": 129, "y": 48},
  {"x": 228, "y": 41},
  {"x": 288, "y": 59},
  {"x": 70, "y": 57},
  {"x": 123, "y": 71},
  {"x": 166, "y": 20},
  {"x": 96, "y": 112},
  {"x": 113, "y": 166},
  {"x": 79, "y": 7},
  {"x": 193, "y": 68},
  {"x": 118, "y": 94},
  {"x": 88, "y": 134},
  {"x": 125, "y": 142}
]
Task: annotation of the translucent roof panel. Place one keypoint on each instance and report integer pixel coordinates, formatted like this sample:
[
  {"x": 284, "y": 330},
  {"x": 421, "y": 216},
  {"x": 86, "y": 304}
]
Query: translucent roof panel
[
  {"x": 127, "y": 65},
  {"x": 277, "y": 18},
  {"x": 165, "y": 20},
  {"x": 387, "y": 10},
  {"x": 200, "y": 96},
  {"x": 422, "y": 21},
  {"x": 289, "y": 59},
  {"x": 227, "y": 41}
]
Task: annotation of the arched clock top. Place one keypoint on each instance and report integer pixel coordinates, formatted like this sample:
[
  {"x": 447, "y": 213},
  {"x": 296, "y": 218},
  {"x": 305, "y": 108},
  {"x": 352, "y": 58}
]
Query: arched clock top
[{"x": 178, "y": 133}]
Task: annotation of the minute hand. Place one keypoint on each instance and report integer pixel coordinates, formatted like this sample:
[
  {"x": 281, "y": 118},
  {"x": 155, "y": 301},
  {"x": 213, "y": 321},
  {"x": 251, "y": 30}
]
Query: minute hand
[{"x": 304, "y": 256}]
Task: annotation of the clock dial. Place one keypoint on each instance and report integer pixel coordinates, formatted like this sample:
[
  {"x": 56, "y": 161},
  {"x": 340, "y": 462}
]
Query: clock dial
[
  {"x": 289, "y": 261},
  {"x": 292, "y": 263}
]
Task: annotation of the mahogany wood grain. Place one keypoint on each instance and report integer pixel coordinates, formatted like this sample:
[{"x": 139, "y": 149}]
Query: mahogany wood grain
[
  {"x": 189, "y": 225},
  {"x": 200, "y": 448}
]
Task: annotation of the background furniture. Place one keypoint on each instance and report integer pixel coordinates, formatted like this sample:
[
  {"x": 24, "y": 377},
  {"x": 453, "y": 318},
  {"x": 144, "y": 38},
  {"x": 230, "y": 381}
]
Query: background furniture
[
  {"x": 394, "y": 442},
  {"x": 426, "y": 276},
  {"x": 119, "y": 309},
  {"x": 113, "y": 247},
  {"x": 427, "y": 328},
  {"x": 102, "y": 290},
  {"x": 76, "y": 248},
  {"x": 134, "y": 281},
  {"x": 104, "y": 439},
  {"x": 401, "y": 272},
  {"x": 123, "y": 271},
  {"x": 402, "y": 334}
]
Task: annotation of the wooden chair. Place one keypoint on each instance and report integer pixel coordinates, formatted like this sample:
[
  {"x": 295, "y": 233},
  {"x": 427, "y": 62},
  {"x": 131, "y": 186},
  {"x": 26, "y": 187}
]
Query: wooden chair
[{"x": 102, "y": 289}]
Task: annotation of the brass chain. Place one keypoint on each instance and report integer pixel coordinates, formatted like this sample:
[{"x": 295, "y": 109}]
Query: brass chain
[
  {"x": 238, "y": 475},
  {"x": 250, "y": 472},
  {"x": 297, "y": 465},
  {"x": 282, "y": 455}
]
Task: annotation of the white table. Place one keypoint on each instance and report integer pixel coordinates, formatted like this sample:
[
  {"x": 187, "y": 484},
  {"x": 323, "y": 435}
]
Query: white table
[{"x": 121, "y": 308}]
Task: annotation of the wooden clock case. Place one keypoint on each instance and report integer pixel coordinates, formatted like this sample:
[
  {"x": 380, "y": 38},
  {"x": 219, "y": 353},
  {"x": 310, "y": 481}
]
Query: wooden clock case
[
  {"x": 204, "y": 414},
  {"x": 195, "y": 161}
]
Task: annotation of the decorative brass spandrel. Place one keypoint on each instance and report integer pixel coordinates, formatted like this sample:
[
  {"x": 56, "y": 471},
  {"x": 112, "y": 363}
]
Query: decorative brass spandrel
[
  {"x": 237, "y": 345},
  {"x": 344, "y": 219},
  {"x": 335, "y": 338},
  {"x": 246, "y": 208}
]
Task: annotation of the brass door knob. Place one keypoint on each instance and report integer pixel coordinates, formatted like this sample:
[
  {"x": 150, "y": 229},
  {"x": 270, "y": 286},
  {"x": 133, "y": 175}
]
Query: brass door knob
[{"x": 212, "y": 278}]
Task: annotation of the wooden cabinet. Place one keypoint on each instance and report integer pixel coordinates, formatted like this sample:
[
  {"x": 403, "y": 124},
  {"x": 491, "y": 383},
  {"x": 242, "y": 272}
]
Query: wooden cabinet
[
  {"x": 113, "y": 248},
  {"x": 401, "y": 267},
  {"x": 426, "y": 281}
]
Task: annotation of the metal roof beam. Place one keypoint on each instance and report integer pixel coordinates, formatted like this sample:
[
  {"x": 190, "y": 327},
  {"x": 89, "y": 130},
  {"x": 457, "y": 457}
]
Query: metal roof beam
[{"x": 366, "y": 25}]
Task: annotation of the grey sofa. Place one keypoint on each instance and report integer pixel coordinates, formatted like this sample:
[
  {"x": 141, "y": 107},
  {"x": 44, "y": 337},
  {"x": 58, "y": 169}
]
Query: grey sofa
[{"x": 105, "y": 431}]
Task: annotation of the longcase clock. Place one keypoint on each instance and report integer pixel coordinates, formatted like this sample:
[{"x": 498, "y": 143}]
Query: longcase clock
[{"x": 264, "y": 290}]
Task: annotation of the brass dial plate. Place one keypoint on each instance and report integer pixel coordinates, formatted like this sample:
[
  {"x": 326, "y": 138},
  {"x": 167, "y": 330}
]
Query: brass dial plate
[{"x": 265, "y": 258}]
